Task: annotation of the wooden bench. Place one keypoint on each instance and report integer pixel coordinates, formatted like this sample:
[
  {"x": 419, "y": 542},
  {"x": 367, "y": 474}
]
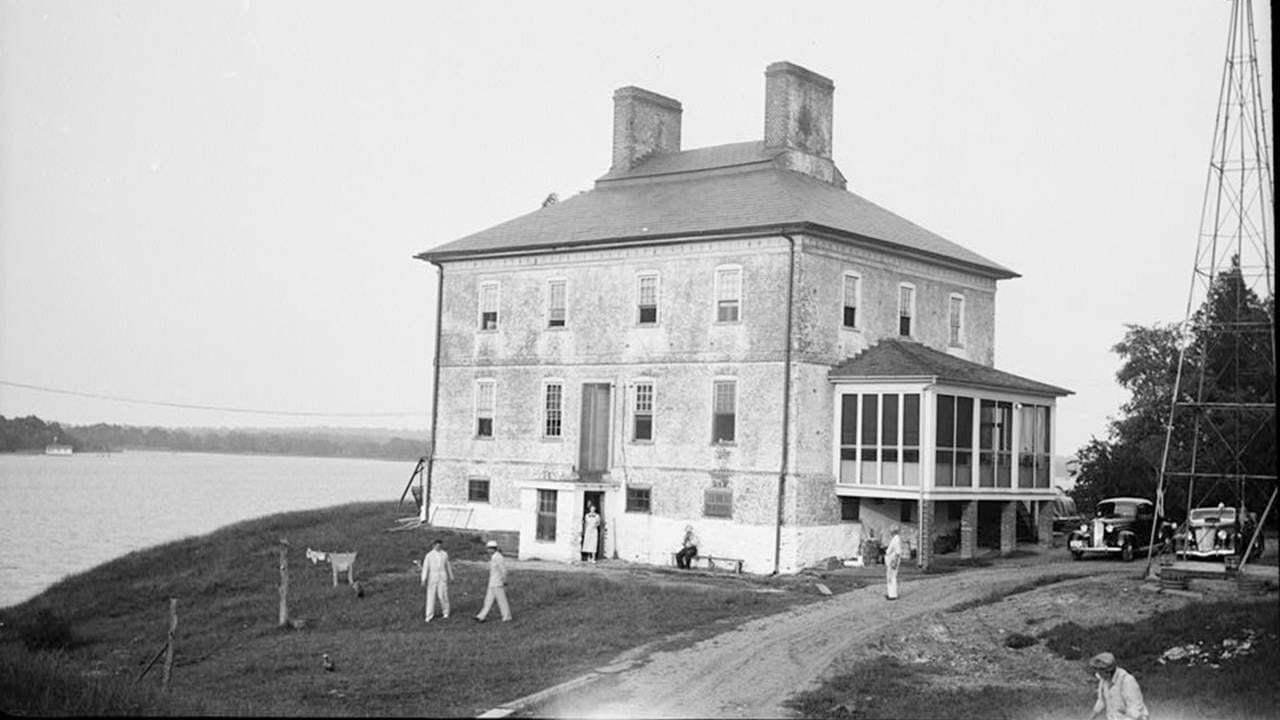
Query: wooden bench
[{"x": 712, "y": 560}]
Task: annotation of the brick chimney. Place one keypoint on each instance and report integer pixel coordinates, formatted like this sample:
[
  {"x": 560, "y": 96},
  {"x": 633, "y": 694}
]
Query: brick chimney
[
  {"x": 644, "y": 124},
  {"x": 797, "y": 120}
]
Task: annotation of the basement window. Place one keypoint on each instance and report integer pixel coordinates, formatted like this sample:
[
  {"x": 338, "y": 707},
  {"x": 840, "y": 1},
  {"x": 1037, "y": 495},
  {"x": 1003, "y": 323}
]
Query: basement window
[
  {"x": 638, "y": 499},
  {"x": 718, "y": 502},
  {"x": 478, "y": 490}
]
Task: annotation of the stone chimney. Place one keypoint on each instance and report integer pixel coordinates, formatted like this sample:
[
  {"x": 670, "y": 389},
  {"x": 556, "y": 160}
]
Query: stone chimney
[
  {"x": 797, "y": 120},
  {"x": 644, "y": 124}
]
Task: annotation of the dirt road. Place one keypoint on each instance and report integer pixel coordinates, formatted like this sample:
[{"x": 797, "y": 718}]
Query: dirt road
[{"x": 751, "y": 670}]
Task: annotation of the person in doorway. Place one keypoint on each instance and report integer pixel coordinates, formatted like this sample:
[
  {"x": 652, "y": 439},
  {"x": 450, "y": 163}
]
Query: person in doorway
[
  {"x": 1119, "y": 697},
  {"x": 688, "y": 549},
  {"x": 892, "y": 559},
  {"x": 497, "y": 584},
  {"x": 590, "y": 533},
  {"x": 437, "y": 571}
]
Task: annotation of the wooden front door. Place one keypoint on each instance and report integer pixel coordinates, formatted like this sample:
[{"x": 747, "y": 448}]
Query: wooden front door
[{"x": 593, "y": 445}]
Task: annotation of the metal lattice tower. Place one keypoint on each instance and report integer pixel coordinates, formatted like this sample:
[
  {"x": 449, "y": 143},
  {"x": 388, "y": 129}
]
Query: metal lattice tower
[{"x": 1221, "y": 426}]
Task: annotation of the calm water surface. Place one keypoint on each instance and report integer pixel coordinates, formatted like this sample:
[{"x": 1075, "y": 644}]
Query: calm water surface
[{"x": 64, "y": 515}]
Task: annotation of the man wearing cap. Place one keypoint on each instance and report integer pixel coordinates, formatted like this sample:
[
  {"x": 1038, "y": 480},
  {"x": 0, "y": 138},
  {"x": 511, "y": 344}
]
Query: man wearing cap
[
  {"x": 437, "y": 571},
  {"x": 1119, "y": 696},
  {"x": 497, "y": 583},
  {"x": 892, "y": 558}
]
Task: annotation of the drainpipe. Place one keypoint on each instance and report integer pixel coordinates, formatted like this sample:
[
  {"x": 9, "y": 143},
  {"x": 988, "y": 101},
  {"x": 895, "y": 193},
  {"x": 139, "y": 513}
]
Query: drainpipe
[
  {"x": 786, "y": 408},
  {"x": 435, "y": 389}
]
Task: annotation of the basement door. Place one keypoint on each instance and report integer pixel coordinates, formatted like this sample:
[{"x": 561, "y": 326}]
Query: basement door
[{"x": 593, "y": 443}]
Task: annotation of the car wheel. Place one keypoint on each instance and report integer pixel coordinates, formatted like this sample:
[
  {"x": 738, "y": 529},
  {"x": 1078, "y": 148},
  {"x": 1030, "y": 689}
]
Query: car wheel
[
  {"x": 1077, "y": 556},
  {"x": 1126, "y": 553}
]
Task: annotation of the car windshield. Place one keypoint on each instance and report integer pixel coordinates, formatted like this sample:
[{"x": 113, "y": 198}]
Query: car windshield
[
  {"x": 1201, "y": 516},
  {"x": 1122, "y": 509}
]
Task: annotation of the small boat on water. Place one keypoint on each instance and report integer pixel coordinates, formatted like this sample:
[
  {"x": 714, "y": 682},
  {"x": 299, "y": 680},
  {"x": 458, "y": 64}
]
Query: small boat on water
[{"x": 56, "y": 449}]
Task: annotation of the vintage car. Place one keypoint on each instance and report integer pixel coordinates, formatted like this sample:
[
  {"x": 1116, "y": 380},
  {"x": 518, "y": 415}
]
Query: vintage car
[
  {"x": 1120, "y": 526},
  {"x": 1065, "y": 516},
  {"x": 1216, "y": 532}
]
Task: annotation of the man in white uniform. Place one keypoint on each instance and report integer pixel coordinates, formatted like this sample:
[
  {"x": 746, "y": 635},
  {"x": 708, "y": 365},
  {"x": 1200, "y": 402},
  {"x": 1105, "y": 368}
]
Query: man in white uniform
[
  {"x": 892, "y": 558},
  {"x": 437, "y": 571},
  {"x": 497, "y": 584}
]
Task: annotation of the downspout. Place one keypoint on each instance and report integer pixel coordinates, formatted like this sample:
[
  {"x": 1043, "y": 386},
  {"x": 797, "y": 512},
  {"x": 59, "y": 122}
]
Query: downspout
[
  {"x": 435, "y": 388},
  {"x": 786, "y": 408}
]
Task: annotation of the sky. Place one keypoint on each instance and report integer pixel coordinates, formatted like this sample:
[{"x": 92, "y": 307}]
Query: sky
[{"x": 209, "y": 210}]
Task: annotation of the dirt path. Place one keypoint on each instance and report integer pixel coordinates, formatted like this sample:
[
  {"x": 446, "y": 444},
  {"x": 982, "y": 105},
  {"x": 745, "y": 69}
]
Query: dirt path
[{"x": 751, "y": 670}]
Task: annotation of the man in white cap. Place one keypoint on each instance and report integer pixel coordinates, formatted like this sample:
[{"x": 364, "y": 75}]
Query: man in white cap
[
  {"x": 497, "y": 584},
  {"x": 892, "y": 559},
  {"x": 1119, "y": 697}
]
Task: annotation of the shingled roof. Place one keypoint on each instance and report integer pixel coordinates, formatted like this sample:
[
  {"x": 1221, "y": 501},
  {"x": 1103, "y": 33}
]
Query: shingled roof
[
  {"x": 726, "y": 189},
  {"x": 902, "y": 359}
]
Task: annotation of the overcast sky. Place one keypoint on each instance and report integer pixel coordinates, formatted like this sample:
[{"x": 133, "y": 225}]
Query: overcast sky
[{"x": 217, "y": 203}]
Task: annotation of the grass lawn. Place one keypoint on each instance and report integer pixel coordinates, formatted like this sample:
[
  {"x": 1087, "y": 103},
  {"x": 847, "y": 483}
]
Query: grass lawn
[
  {"x": 77, "y": 648},
  {"x": 1239, "y": 687}
]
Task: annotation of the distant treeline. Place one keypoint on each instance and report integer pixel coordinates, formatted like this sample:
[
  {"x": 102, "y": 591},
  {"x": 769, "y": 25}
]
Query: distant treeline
[{"x": 33, "y": 434}]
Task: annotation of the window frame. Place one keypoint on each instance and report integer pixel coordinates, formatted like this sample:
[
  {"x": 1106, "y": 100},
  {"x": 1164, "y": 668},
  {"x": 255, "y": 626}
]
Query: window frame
[
  {"x": 547, "y": 411},
  {"x": 545, "y": 520},
  {"x": 636, "y": 413},
  {"x": 634, "y": 500},
  {"x": 716, "y": 384},
  {"x": 857, "y": 300},
  {"x": 657, "y": 298},
  {"x": 551, "y": 308},
  {"x": 719, "y": 303},
  {"x": 474, "y": 483},
  {"x": 910, "y": 288},
  {"x": 714, "y": 498},
  {"x": 955, "y": 320},
  {"x": 497, "y": 305},
  {"x": 492, "y": 385}
]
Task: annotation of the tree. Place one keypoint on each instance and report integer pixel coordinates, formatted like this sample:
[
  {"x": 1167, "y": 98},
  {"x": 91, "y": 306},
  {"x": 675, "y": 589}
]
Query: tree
[{"x": 1228, "y": 360}]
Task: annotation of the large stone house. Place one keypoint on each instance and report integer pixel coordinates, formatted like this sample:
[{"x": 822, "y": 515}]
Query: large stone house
[{"x": 727, "y": 338}]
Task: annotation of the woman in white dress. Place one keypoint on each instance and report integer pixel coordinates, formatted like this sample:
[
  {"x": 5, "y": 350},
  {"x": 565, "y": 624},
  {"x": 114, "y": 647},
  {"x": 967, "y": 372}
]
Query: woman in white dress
[
  {"x": 590, "y": 533},
  {"x": 892, "y": 558}
]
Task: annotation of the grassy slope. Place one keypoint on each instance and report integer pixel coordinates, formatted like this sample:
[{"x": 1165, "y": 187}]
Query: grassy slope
[
  {"x": 232, "y": 659},
  {"x": 1243, "y": 687}
]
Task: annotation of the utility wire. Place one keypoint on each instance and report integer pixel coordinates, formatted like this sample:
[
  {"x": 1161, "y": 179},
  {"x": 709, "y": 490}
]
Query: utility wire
[{"x": 219, "y": 408}]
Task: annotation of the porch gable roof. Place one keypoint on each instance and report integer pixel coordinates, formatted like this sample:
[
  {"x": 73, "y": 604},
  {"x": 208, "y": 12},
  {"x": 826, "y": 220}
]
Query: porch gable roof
[{"x": 902, "y": 359}]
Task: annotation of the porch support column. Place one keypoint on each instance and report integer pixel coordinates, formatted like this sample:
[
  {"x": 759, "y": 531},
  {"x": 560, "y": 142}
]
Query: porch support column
[
  {"x": 1008, "y": 527},
  {"x": 925, "y": 556},
  {"x": 1044, "y": 523},
  {"x": 968, "y": 529}
]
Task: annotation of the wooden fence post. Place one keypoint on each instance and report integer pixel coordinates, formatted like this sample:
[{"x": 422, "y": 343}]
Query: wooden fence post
[
  {"x": 284, "y": 583},
  {"x": 168, "y": 652}
]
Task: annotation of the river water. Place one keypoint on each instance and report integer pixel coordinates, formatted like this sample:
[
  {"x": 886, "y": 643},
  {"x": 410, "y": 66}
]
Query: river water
[{"x": 64, "y": 515}]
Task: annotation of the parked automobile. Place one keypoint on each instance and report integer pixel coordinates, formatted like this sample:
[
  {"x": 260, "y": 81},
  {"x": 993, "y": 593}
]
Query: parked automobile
[
  {"x": 1216, "y": 532},
  {"x": 1065, "y": 516},
  {"x": 1120, "y": 526}
]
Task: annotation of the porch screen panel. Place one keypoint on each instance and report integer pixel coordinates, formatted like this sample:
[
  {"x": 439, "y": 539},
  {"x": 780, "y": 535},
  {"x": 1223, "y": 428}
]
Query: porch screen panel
[
  {"x": 964, "y": 441},
  {"x": 995, "y": 443},
  {"x": 889, "y": 441},
  {"x": 1043, "y": 457},
  {"x": 911, "y": 439},
  {"x": 868, "y": 454},
  {"x": 944, "y": 437},
  {"x": 848, "y": 438},
  {"x": 1026, "y": 446}
]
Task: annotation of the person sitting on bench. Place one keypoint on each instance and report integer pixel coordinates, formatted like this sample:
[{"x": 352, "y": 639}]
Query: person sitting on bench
[{"x": 688, "y": 549}]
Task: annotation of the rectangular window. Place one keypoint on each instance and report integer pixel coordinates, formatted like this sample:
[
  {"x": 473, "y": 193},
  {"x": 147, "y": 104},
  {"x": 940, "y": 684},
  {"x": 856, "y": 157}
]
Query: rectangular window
[
  {"x": 911, "y": 439},
  {"x": 869, "y": 468},
  {"x": 906, "y": 309},
  {"x": 955, "y": 316},
  {"x": 852, "y": 293},
  {"x": 953, "y": 463},
  {"x": 485, "y": 400},
  {"x": 546, "y": 529},
  {"x": 553, "y": 410},
  {"x": 850, "y": 509},
  {"x": 1034, "y": 460},
  {"x": 489, "y": 306},
  {"x": 728, "y": 294},
  {"x": 647, "y": 299},
  {"x": 724, "y": 411},
  {"x": 638, "y": 499},
  {"x": 556, "y": 303},
  {"x": 718, "y": 502},
  {"x": 642, "y": 425},
  {"x": 478, "y": 490},
  {"x": 995, "y": 443}
]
